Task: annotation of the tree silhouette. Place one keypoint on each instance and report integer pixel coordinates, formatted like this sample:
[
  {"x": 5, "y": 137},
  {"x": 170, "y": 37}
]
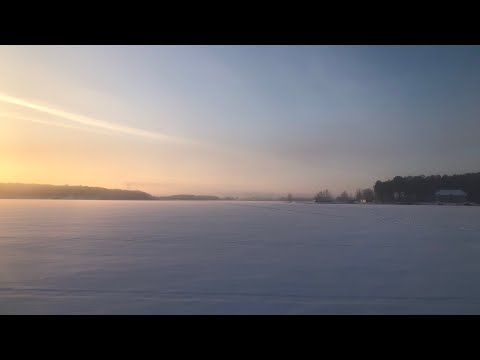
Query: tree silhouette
[
  {"x": 422, "y": 188},
  {"x": 324, "y": 196},
  {"x": 344, "y": 197},
  {"x": 368, "y": 195},
  {"x": 358, "y": 195}
]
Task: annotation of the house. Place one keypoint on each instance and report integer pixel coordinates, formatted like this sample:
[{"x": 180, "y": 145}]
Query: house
[{"x": 451, "y": 196}]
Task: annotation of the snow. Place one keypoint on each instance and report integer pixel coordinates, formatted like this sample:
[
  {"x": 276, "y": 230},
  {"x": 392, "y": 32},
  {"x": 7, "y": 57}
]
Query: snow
[{"x": 187, "y": 257}]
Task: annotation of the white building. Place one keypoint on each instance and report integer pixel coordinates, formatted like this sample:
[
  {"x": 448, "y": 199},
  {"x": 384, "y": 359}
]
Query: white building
[{"x": 452, "y": 196}]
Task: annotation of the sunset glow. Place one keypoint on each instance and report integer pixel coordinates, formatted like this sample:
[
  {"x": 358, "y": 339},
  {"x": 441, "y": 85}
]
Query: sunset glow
[{"x": 233, "y": 120}]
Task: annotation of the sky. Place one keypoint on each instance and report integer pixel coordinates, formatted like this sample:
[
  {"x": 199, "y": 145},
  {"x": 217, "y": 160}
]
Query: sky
[{"x": 237, "y": 120}]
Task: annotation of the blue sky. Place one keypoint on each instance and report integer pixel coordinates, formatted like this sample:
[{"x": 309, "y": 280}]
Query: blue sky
[{"x": 275, "y": 119}]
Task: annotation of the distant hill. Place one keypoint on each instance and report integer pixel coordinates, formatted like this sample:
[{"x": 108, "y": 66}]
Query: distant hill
[
  {"x": 35, "y": 191},
  {"x": 187, "y": 197}
]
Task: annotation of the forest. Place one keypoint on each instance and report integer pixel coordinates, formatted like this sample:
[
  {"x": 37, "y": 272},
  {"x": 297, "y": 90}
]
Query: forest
[{"x": 422, "y": 188}]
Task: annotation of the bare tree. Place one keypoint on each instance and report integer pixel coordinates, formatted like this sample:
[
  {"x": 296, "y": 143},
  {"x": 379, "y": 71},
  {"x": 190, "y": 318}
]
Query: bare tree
[
  {"x": 368, "y": 195},
  {"x": 344, "y": 197},
  {"x": 324, "y": 196},
  {"x": 358, "y": 195}
]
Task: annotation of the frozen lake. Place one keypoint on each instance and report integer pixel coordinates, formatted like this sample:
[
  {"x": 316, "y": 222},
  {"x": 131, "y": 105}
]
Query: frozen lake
[{"x": 129, "y": 257}]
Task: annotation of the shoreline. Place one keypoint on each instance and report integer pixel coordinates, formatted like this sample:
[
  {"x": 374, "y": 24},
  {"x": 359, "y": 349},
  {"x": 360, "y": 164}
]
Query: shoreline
[{"x": 251, "y": 200}]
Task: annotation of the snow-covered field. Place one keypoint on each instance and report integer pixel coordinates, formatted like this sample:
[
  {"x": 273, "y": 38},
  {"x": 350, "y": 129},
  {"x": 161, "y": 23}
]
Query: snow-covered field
[{"x": 118, "y": 257}]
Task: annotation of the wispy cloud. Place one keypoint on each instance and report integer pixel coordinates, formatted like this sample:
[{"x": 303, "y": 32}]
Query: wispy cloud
[
  {"x": 52, "y": 123},
  {"x": 88, "y": 121}
]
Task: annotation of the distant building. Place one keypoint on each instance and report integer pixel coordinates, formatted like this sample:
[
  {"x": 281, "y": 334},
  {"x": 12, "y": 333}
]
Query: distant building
[{"x": 451, "y": 196}]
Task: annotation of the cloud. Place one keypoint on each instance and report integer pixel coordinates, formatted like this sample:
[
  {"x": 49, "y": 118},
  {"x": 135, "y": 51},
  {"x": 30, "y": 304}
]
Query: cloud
[
  {"x": 50, "y": 123},
  {"x": 90, "y": 122}
]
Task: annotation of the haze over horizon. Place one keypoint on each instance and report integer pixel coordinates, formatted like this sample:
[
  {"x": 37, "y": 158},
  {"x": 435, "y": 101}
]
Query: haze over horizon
[{"x": 236, "y": 120}]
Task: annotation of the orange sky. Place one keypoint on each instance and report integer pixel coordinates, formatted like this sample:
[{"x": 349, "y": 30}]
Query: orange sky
[{"x": 229, "y": 120}]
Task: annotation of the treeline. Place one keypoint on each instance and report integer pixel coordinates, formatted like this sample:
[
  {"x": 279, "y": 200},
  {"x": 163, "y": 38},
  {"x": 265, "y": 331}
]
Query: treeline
[
  {"x": 291, "y": 197},
  {"x": 325, "y": 196},
  {"x": 422, "y": 188},
  {"x": 35, "y": 191},
  {"x": 365, "y": 195},
  {"x": 189, "y": 197}
]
